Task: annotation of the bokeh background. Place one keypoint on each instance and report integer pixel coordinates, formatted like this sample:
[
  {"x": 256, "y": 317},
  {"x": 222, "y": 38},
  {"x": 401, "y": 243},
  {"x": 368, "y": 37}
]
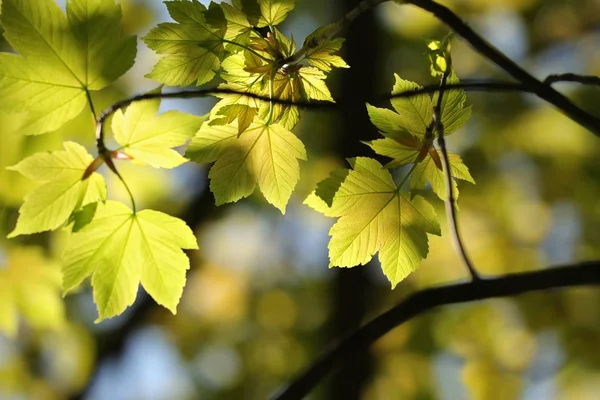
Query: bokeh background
[{"x": 260, "y": 302}]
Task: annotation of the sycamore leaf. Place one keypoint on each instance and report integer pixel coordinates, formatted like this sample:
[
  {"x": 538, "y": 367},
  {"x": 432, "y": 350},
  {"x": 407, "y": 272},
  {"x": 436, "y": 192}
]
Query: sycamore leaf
[
  {"x": 313, "y": 84},
  {"x": 242, "y": 112},
  {"x": 373, "y": 216},
  {"x": 454, "y": 112},
  {"x": 429, "y": 169},
  {"x": 149, "y": 138},
  {"x": 263, "y": 155},
  {"x": 60, "y": 58},
  {"x": 121, "y": 249},
  {"x": 239, "y": 29},
  {"x": 322, "y": 54},
  {"x": 274, "y": 12},
  {"x": 62, "y": 192},
  {"x": 416, "y": 112},
  {"x": 30, "y": 287},
  {"x": 193, "y": 47}
]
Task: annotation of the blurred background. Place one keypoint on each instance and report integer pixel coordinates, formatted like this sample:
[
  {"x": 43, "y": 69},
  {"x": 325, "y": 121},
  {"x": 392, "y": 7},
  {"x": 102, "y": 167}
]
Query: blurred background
[{"x": 260, "y": 302}]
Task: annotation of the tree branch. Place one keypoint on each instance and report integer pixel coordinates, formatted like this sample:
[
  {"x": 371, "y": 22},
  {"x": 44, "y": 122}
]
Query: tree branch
[
  {"x": 542, "y": 90},
  {"x": 450, "y": 199},
  {"x": 569, "y": 77},
  {"x": 580, "y": 274}
]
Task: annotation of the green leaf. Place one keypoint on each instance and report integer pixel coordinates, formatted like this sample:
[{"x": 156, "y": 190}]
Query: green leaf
[
  {"x": 388, "y": 122},
  {"x": 430, "y": 170},
  {"x": 149, "y": 138},
  {"x": 60, "y": 58},
  {"x": 62, "y": 191},
  {"x": 83, "y": 217},
  {"x": 274, "y": 12},
  {"x": 313, "y": 84},
  {"x": 322, "y": 54},
  {"x": 29, "y": 286},
  {"x": 239, "y": 29},
  {"x": 375, "y": 217},
  {"x": 263, "y": 155},
  {"x": 416, "y": 112},
  {"x": 430, "y": 167},
  {"x": 454, "y": 113},
  {"x": 121, "y": 249},
  {"x": 242, "y": 112},
  {"x": 193, "y": 48}
]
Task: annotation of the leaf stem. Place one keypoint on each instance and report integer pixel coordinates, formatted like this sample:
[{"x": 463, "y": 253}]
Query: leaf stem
[
  {"x": 450, "y": 199},
  {"x": 579, "y": 274},
  {"x": 113, "y": 168},
  {"x": 248, "y": 49},
  {"x": 408, "y": 175}
]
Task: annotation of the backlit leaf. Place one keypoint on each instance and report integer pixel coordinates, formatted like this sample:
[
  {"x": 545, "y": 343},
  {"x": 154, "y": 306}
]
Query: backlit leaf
[
  {"x": 266, "y": 156},
  {"x": 62, "y": 191},
  {"x": 149, "y": 138},
  {"x": 375, "y": 217},
  {"x": 121, "y": 249},
  {"x": 60, "y": 58}
]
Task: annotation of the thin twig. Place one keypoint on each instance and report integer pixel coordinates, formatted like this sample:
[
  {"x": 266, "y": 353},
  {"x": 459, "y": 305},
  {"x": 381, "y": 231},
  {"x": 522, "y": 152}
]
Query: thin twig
[
  {"x": 542, "y": 90},
  {"x": 575, "y": 78},
  {"x": 450, "y": 202},
  {"x": 580, "y": 274}
]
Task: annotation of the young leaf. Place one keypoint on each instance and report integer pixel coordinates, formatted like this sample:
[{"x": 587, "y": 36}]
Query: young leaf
[
  {"x": 194, "y": 45},
  {"x": 405, "y": 140},
  {"x": 121, "y": 249},
  {"x": 320, "y": 53},
  {"x": 416, "y": 112},
  {"x": 274, "y": 12},
  {"x": 149, "y": 138},
  {"x": 50, "y": 205},
  {"x": 29, "y": 286},
  {"x": 263, "y": 155},
  {"x": 375, "y": 217},
  {"x": 60, "y": 58}
]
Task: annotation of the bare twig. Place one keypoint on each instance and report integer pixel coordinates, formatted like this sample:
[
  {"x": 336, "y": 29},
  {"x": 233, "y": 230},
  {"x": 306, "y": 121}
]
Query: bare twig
[
  {"x": 581, "y": 274},
  {"x": 450, "y": 202},
  {"x": 542, "y": 90},
  {"x": 569, "y": 77}
]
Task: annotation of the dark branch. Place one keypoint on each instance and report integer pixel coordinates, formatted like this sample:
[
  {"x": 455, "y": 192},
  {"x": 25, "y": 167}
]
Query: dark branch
[
  {"x": 450, "y": 198},
  {"x": 568, "y": 77},
  {"x": 542, "y": 90},
  {"x": 581, "y": 274}
]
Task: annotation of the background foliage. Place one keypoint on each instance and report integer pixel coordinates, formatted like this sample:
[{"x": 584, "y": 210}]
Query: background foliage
[{"x": 260, "y": 303}]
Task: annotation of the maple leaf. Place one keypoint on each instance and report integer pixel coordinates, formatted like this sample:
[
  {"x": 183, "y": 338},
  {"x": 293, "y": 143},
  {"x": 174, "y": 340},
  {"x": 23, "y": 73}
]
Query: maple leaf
[
  {"x": 274, "y": 12},
  {"x": 121, "y": 249},
  {"x": 263, "y": 155},
  {"x": 61, "y": 58},
  {"x": 29, "y": 286},
  {"x": 193, "y": 48},
  {"x": 149, "y": 138},
  {"x": 373, "y": 216},
  {"x": 405, "y": 140},
  {"x": 322, "y": 54},
  {"x": 62, "y": 191}
]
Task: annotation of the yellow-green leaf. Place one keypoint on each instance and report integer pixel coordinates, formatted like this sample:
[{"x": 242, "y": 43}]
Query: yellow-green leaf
[
  {"x": 60, "y": 58},
  {"x": 375, "y": 217},
  {"x": 62, "y": 191},
  {"x": 192, "y": 47},
  {"x": 149, "y": 138},
  {"x": 121, "y": 249},
  {"x": 266, "y": 156},
  {"x": 274, "y": 12}
]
